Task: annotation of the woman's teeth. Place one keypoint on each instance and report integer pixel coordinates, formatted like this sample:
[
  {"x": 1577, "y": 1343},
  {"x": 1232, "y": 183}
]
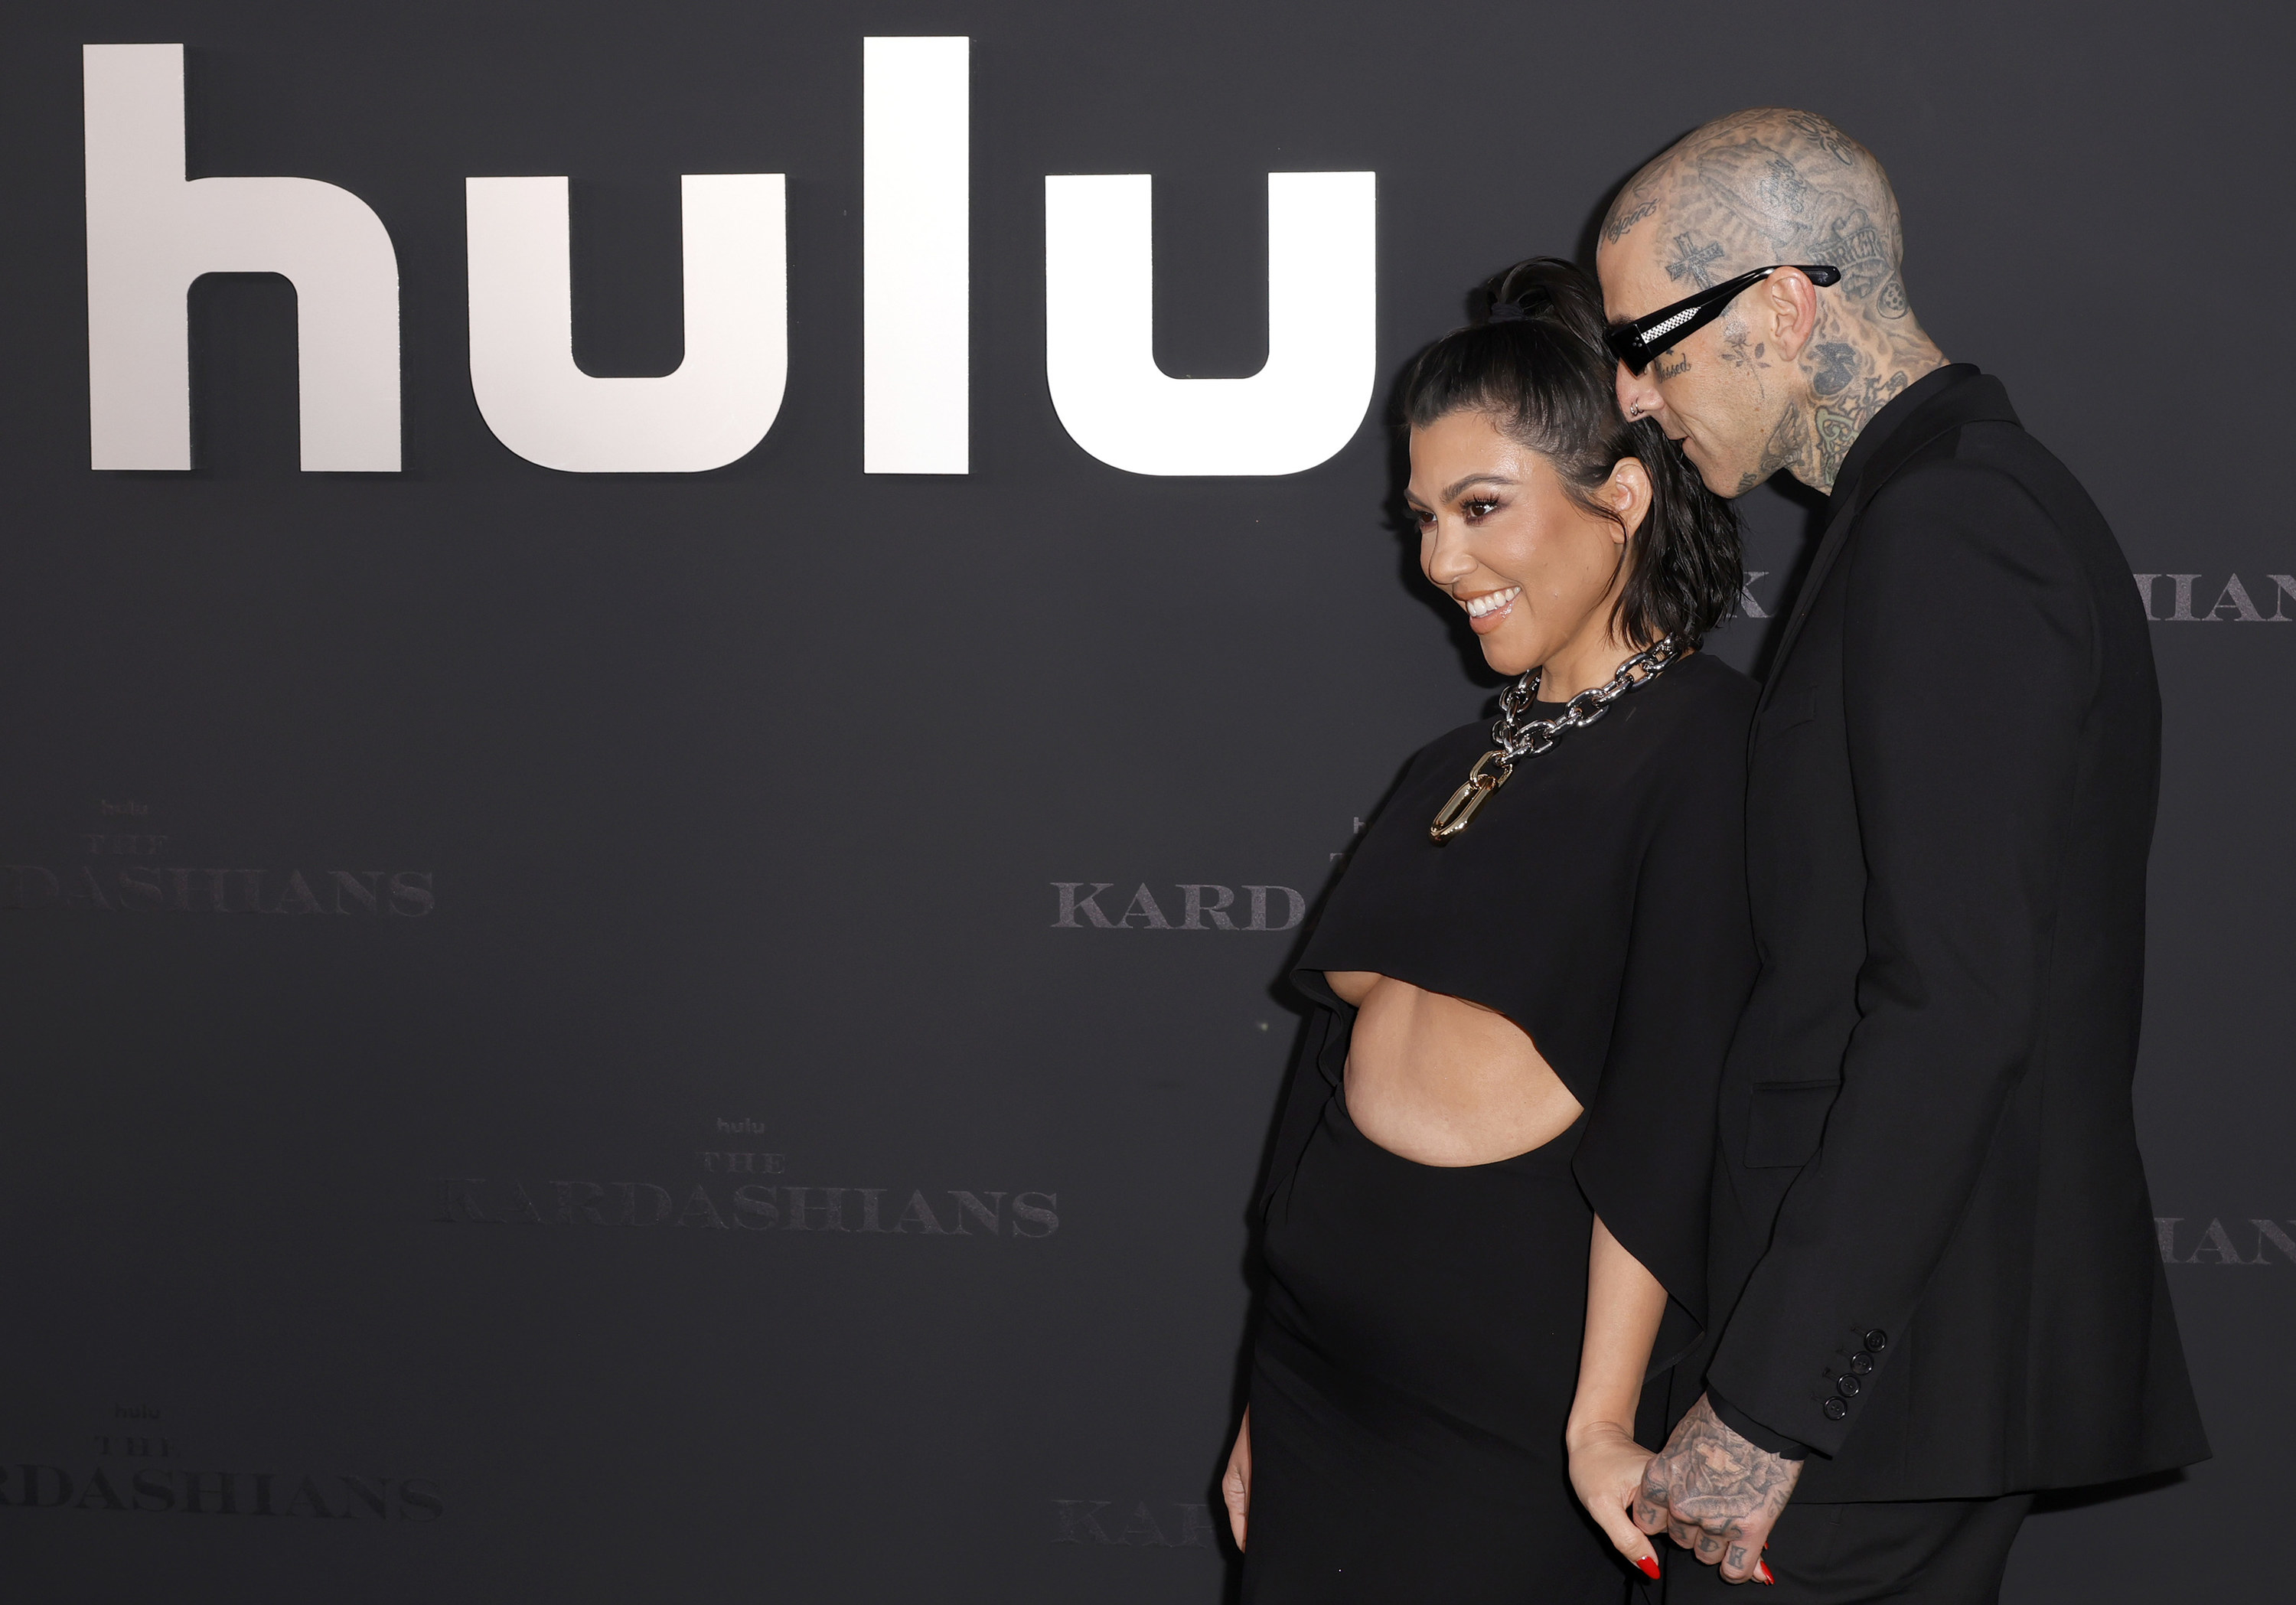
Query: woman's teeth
[{"x": 1492, "y": 603}]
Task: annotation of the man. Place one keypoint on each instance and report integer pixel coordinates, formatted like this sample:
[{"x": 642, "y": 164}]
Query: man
[{"x": 1935, "y": 1283}]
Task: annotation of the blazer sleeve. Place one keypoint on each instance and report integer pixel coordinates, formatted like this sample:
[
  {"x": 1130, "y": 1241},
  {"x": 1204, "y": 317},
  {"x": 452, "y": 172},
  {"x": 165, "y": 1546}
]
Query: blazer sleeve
[
  {"x": 1968, "y": 671},
  {"x": 1646, "y": 1159}
]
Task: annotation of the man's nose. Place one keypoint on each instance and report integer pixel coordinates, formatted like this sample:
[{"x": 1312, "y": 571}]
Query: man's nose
[{"x": 1638, "y": 395}]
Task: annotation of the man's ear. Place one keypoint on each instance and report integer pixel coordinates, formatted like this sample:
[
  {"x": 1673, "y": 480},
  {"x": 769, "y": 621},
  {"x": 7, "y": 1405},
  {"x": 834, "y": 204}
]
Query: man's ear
[
  {"x": 1627, "y": 493},
  {"x": 1793, "y": 301}
]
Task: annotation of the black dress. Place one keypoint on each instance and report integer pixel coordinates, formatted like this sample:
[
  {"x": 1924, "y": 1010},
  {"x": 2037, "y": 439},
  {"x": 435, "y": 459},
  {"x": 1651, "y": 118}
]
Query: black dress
[{"x": 1418, "y": 1347}]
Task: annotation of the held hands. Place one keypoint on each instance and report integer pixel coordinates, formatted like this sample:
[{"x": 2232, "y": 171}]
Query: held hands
[
  {"x": 1606, "y": 1471},
  {"x": 1715, "y": 1494},
  {"x": 1235, "y": 1482}
]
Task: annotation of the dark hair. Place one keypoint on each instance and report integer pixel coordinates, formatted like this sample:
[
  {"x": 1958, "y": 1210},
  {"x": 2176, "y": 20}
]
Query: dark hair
[{"x": 1538, "y": 368}]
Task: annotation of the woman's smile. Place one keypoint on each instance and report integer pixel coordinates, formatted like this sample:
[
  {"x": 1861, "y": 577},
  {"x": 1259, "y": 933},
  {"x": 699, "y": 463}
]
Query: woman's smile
[
  {"x": 1492, "y": 609},
  {"x": 1536, "y": 559}
]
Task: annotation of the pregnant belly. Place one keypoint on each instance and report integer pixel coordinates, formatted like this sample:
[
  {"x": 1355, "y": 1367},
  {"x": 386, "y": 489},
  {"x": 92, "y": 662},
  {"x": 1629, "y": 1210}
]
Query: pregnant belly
[{"x": 1442, "y": 1081}]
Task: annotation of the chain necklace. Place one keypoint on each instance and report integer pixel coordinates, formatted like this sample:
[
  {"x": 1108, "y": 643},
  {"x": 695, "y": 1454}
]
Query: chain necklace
[{"x": 1520, "y": 736}]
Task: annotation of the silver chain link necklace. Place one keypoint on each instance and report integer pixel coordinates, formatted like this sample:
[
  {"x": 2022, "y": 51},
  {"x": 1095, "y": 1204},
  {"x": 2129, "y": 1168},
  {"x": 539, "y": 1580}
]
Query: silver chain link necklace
[{"x": 1520, "y": 736}]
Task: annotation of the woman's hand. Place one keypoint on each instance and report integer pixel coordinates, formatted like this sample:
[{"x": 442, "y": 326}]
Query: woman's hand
[
  {"x": 1607, "y": 1470},
  {"x": 1236, "y": 1485},
  {"x": 1624, "y": 1303}
]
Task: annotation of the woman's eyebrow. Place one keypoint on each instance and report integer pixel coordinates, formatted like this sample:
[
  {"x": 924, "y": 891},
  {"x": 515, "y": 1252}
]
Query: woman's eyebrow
[{"x": 1456, "y": 486}]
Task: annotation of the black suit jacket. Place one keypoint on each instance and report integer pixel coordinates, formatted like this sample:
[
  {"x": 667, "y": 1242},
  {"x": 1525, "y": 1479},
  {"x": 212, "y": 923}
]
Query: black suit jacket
[{"x": 1932, "y": 1232}]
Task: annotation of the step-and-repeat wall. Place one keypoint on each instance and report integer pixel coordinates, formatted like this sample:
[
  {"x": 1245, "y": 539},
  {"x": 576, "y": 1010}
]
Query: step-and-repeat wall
[{"x": 647, "y": 962}]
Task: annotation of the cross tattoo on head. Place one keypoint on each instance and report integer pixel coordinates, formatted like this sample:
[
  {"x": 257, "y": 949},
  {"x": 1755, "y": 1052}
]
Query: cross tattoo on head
[{"x": 1692, "y": 263}]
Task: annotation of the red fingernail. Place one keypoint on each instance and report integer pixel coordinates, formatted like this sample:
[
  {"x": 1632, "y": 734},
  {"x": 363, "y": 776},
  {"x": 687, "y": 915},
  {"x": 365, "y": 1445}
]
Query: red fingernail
[
  {"x": 1762, "y": 1571},
  {"x": 1649, "y": 1563}
]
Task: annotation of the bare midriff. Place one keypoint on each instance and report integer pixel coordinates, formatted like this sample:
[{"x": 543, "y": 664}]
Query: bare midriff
[{"x": 1442, "y": 1081}]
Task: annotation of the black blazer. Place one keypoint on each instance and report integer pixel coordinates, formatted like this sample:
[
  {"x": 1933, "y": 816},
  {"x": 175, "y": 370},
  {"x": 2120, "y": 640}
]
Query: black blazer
[{"x": 1932, "y": 1232}]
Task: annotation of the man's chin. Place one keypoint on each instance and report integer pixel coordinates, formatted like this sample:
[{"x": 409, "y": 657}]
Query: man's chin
[
  {"x": 1707, "y": 474},
  {"x": 1725, "y": 482}
]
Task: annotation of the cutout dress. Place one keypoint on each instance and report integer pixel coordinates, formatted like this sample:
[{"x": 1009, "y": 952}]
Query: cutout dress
[{"x": 1417, "y": 1343}]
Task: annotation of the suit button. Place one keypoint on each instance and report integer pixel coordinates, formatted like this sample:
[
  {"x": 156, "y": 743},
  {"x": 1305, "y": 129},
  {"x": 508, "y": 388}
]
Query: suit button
[
  {"x": 1847, "y": 1386},
  {"x": 1876, "y": 1341},
  {"x": 1836, "y": 1410},
  {"x": 1863, "y": 1365}
]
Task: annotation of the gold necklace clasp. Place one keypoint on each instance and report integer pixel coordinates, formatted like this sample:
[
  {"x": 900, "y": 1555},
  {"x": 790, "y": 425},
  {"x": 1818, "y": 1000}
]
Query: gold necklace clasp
[
  {"x": 1481, "y": 781},
  {"x": 1521, "y": 736}
]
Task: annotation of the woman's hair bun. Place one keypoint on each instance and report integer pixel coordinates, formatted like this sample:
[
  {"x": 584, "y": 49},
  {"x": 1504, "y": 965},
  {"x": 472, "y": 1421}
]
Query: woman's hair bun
[{"x": 1513, "y": 297}]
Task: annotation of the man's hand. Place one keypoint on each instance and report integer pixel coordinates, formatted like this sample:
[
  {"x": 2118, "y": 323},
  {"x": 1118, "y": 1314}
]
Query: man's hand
[{"x": 1716, "y": 1494}]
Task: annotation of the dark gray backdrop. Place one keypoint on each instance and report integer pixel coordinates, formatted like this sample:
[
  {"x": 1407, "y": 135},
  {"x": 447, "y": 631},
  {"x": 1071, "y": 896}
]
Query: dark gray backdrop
[{"x": 740, "y": 801}]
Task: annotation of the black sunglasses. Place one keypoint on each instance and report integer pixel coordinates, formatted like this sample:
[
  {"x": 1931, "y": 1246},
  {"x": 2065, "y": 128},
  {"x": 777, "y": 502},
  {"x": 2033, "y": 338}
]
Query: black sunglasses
[{"x": 1637, "y": 343}]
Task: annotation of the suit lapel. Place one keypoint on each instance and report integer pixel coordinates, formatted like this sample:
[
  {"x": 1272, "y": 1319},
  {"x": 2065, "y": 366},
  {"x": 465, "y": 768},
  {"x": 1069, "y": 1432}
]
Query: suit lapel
[{"x": 1963, "y": 396}]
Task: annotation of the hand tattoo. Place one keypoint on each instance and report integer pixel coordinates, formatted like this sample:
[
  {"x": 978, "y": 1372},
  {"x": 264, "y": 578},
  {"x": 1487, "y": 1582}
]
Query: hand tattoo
[
  {"x": 1650, "y": 1504},
  {"x": 1718, "y": 1482}
]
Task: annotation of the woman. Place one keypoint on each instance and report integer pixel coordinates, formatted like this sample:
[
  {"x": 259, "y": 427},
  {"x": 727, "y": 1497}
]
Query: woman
[{"x": 1486, "y": 1211}]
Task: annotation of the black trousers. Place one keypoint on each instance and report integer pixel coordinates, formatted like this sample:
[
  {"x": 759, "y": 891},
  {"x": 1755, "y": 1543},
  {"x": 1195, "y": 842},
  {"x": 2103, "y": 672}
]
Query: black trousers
[{"x": 1927, "y": 1551}]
